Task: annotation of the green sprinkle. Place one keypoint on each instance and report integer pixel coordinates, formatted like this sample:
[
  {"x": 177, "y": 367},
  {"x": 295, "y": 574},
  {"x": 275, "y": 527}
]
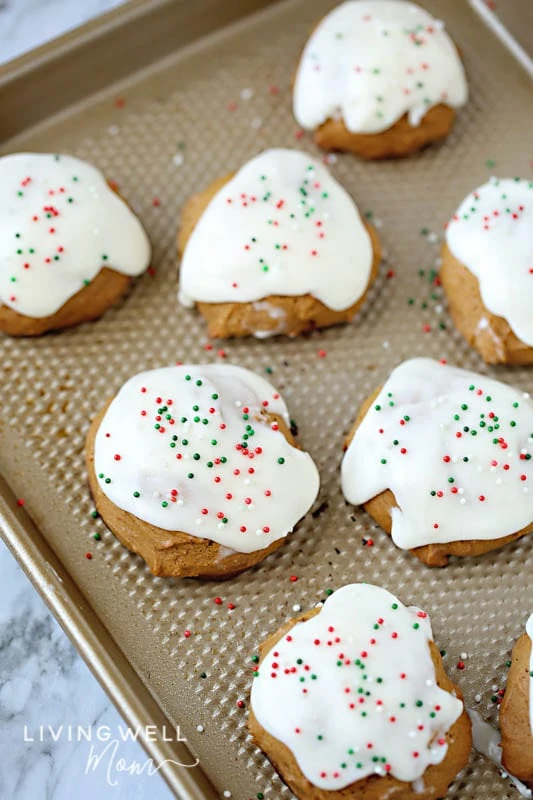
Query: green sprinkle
[
  {"x": 136, "y": 494},
  {"x": 281, "y": 460}
]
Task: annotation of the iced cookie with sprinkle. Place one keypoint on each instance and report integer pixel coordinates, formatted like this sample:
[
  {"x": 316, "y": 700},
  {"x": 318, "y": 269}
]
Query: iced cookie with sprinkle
[
  {"x": 277, "y": 248},
  {"x": 516, "y": 711},
  {"x": 352, "y": 701},
  {"x": 379, "y": 78},
  {"x": 195, "y": 469},
  {"x": 487, "y": 270},
  {"x": 441, "y": 458},
  {"x": 69, "y": 245}
]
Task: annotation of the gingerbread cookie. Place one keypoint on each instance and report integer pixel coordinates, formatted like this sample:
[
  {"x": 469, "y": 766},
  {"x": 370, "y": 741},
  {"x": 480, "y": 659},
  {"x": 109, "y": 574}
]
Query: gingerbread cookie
[
  {"x": 516, "y": 711},
  {"x": 441, "y": 458},
  {"x": 487, "y": 270},
  {"x": 69, "y": 245},
  {"x": 278, "y": 248},
  {"x": 195, "y": 469},
  {"x": 379, "y": 78},
  {"x": 352, "y": 701}
]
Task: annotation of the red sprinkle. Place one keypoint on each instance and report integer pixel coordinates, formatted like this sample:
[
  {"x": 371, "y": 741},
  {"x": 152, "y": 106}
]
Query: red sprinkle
[
  {"x": 322, "y": 354},
  {"x": 21, "y": 501},
  {"x": 294, "y": 578},
  {"x": 186, "y": 634},
  {"x": 240, "y": 703},
  {"x": 460, "y": 665},
  {"x": 218, "y": 601},
  {"x": 88, "y": 556}
]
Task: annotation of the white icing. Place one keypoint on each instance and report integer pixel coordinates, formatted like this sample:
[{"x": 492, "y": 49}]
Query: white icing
[
  {"x": 277, "y": 228},
  {"x": 246, "y": 486},
  {"x": 487, "y": 741},
  {"x": 491, "y": 233},
  {"x": 529, "y": 631},
  {"x": 332, "y": 691},
  {"x": 274, "y": 313},
  {"x": 372, "y": 61},
  {"x": 60, "y": 224},
  {"x": 449, "y": 483}
]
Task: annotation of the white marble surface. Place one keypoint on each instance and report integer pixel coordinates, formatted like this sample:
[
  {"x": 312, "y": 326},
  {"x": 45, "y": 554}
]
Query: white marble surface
[
  {"x": 25, "y": 24},
  {"x": 43, "y": 681}
]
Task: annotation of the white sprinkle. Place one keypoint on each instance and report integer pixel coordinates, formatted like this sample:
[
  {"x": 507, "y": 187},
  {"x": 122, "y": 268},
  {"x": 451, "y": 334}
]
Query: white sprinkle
[
  {"x": 178, "y": 160},
  {"x": 525, "y": 490},
  {"x": 113, "y": 130},
  {"x": 198, "y": 521},
  {"x": 477, "y": 698},
  {"x": 378, "y": 223},
  {"x": 498, "y": 481},
  {"x": 433, "y": 237},
  {"x": 438, "y": 309},
  {"x": 462, "y": 501},
  {"x": 386, "y": 345},
  {"x": 256, "y": 122},
  {"x": 227, "y": 793},
  {"x": 494, "y": 687},
  {"x": 437, "y": 262},
  {"x": 297, "y": 607},
  {"x": 246, "y": 94},
  {"x": 157, "y": 495},
  {"x": 464, "y": 656},
  {"x": 200, "y": 728}
]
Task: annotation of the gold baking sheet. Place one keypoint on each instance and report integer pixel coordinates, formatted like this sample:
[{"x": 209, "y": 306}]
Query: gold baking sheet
[{"x": 162, "y": 134}]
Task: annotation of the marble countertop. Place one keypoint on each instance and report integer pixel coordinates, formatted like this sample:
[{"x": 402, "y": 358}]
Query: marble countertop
[{"x": 43, "y": 681}]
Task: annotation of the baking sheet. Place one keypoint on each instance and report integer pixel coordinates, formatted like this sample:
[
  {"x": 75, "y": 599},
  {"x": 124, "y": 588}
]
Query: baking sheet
[{"x": 162, "y": 135}]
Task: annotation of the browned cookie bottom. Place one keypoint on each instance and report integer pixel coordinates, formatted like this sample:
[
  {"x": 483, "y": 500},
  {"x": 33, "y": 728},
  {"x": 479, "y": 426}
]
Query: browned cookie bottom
[
  {"x": 400, "y": 140},
  {"x": 86, "y": 305},
  {"x": 490, "y": 335},
  {"x": 515, "y": 725}
]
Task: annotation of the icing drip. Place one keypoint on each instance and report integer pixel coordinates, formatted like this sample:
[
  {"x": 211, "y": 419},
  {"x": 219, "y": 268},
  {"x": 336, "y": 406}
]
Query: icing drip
[
  {"x": 455, "y": 449},
  {"x": 190, "y": 449},
  {"x": 352, "y": 691},
  {"x": 529, "y": 631},
  {"x": 491, "y": 233},
  {"x": 486, "y": 740},
  {"x": 277, "y": 228},
  {"x": 372, "y": 61},
  {"x": 60, "y": 224}
]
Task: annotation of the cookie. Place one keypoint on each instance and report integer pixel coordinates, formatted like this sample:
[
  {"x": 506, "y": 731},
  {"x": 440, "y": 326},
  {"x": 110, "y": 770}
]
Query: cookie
[
  {"x": 195, "y": 469},
  {"x": 379, "y": 78},
  {"x": 487, "y": 270},
  {"x": 69, "y": 245},
  {"x": 352, "y": 701},
  {"x": 441, "y": 458},
  {"x": 277, "y": 248},
  {"x": 516, "y": 711}
]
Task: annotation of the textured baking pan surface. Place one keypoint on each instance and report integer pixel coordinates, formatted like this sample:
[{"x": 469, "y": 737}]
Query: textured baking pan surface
[{"x": 162, "y": 135}]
